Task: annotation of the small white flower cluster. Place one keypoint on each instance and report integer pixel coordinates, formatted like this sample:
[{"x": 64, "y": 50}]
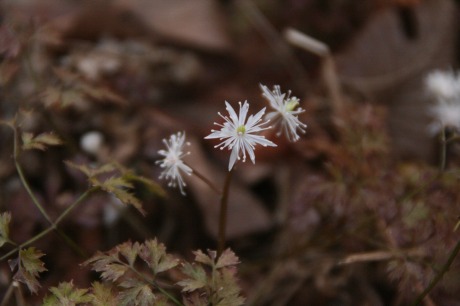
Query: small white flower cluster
[
  {"x": 285, "y": 112},
  {"x": 444, "y": 86},
  {"x": 172, "y": 161},
  {"x": 239, "y": 133}
]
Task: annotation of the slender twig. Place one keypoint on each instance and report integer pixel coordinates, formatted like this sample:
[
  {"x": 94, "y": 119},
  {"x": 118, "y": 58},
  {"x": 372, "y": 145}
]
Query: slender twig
[
  {"x": 329, "y": 71},
  {"x": 18, "y": 294},
  {"x": 379, "y": 256},
  {"x": 52, "y": 227},
  {"x": 440, "y": 274},
  {"x": 25, "y": 183},
  {"x": 206, "y": 181},
  {"x": 7, "y": 295},
  {"x": 443, "y": 157},
  {"x": 74, "y": 204},
  {"x": 223, "y": 214}
]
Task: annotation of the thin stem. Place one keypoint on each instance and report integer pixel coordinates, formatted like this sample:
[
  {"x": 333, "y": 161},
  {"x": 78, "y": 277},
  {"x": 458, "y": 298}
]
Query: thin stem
[
  {"x": 7, "y": 295},
  {"x": 28, "y": 242},
  {"x": 206, "y": 181},
  {"x": 440, "y": 274},
  {"x": 18, "y": 294},
  {"x": 23, "y": 178},
  {"x": 379, "y": 256},
  {"x": 74, "y": 204},
  {"x": 53, "y": 227},
  {"x": 442, "y": 165},
  {"x": 223, "y": 214}
]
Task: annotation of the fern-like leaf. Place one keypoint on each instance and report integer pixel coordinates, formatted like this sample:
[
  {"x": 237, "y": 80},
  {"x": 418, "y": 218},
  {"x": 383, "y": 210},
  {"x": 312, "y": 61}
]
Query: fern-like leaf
[
  {"x": 154, "y": 254},
  {"x": 102, "y": 295},
  {"x": 40, "y": 142},
  {"x": 65, "y": 294},
  {"x": 28, "y": 266}
]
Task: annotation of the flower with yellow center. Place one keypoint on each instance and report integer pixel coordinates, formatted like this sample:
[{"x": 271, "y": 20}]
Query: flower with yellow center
[
  {"x": 240, "y": 134},
  {"x": 285, "y": 112}
]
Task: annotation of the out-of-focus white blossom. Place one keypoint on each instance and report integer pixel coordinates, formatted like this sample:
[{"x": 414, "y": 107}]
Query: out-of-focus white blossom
[
  {"x": 241, "y": 135},
  {"x": 172, "y": 161},
  {"x": 447, "y": 114},
  {"x": 91, "y": 142},
  {"x": 285, "y": 112},
  {"x": 443, "y": 84}
]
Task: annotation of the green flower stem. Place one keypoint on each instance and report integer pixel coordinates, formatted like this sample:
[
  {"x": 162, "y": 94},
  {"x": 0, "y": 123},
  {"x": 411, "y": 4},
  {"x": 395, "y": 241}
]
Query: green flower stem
[
  {"x": 223, "y": 214},
  {"x": 206, "y": 181},
  {"x": 440, "y": 274}
]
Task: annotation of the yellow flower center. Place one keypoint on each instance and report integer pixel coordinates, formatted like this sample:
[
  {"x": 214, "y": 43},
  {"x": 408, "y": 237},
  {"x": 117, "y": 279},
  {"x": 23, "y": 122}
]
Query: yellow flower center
[
  {"x": 292, "y": 104},
  {"x": 241, "y": 130}
]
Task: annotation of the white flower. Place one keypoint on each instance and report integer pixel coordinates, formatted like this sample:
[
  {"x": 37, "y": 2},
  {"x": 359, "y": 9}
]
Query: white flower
[
  {"x": 240, "y": 134},
  {"x": 172, "y": 161},
  {"x": 447, "y": 113},
  {"x": 443, "y": 84},
  {"x": 285, "y": 112},
  {"x": 92, "y": 142}
]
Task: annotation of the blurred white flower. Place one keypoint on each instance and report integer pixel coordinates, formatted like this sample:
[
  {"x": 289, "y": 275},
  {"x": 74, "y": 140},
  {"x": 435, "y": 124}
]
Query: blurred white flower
[
  {"x": 241, "y": 135},
  {"x": 443, "y": 84},
  {"x": 285, "y": 112},
  {"x": 91, "y": 142},
  {"x": 172, "y": 161},
  {"x": 445, "y": 87},
  {"x": 447, "y": 113}
]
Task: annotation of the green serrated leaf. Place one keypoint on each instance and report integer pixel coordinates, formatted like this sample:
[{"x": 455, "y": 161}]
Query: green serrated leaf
[
  {"x": 102, "y": 295},
  {"x": 116, "y": 183},
  {"x": 40, "y": 142},
  {"x": 49, "y": 139},
  {"x": 5, "y": 220},
  {"x": 136, "y": 293},
  {"x": 30, "y": 260},
  {"x": 198, "y": 278},
  {"x": 113, "y": 272},
  {"x": 227, "y": 258},
  {"x": 82, "y": 168},
  {"x": 110, "y": 265},
  {"x": 128, "y": 198},
  {"x": 129, "y": 251},
  {"x": 117, "y": 186},
  {"x": 91, "y": 172},
  {"x": 226, "y": 288},
  {"x": 154, "y": 254},
  {"x": 28, "y": 266},
  {"x": 203, "y": 258},
  {"x": 151, "y": 185},
  {"x": 67, "y": 295}
]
